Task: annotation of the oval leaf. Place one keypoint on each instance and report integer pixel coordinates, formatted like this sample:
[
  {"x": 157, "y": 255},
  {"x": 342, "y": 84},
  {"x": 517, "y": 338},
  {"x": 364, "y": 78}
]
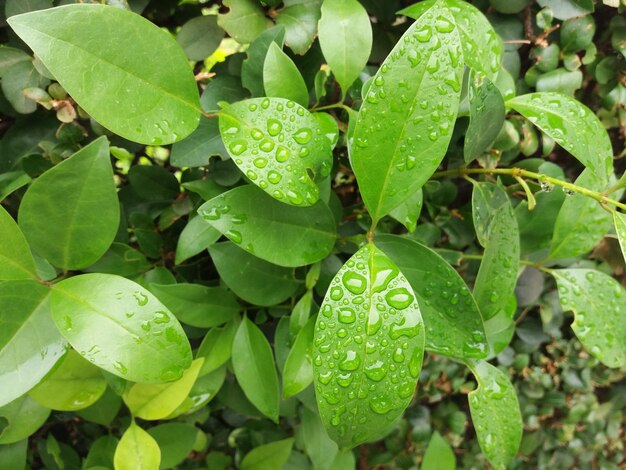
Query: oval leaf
[
  {"x": 298, "y": 370},
  {"x": 136, "y": 85},
  {"x": 276, "y": 143},
  {"x": 368, "y": 348},
  {"x": 454, "y": 326},
  {"x": 255, "y": 369},
  {"x": 16, "y": 260},
  {"x": 439, "y": 455},
  {"x": 70, "y": 214},
  {"x": 120, "y": 327},
  {"x": 281, "y": 77},
  {"x": 597, "y": 301},
  {"x": 30, "y": 344},
  {"x": 405, "y": 123},
  {"x": 137, "y": 449},
  {"x": 270, "y": 456},
  {"x": 275, "y": 232},
  {"x": 572, "y": 125},
  {"x": 495, "y": 414},
  {"x": 21, "y": 418}
]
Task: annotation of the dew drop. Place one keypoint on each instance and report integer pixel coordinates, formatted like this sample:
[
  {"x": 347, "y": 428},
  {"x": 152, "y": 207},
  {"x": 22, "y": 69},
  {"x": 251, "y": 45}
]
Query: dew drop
[
  {"x": 260, "y": 162},
  {"x": 354, "y": 282},
  {"x": 282, "y": 154},
  {"x": 274, "y": 177},
  {"x": 234, "y": 236},
  {"x": 238, "y": 147},
  {"x": 303, "y": 136}
]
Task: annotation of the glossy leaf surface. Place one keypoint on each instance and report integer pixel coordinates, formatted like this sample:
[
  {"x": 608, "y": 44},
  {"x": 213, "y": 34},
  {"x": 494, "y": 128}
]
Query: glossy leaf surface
[
  {"x": 74, "y": 385},
  {"x": 276, "y": 142},
  {"x": 572, "y": 125},
  {"x": 16, "y": 260},
  {"x": 368, "y": 348},
  {"x": 298, "y": 370},
  {"x": 345, "y": 35},
  {"x": 454, "y": 326},
  {"x": 136, "y": 449},
  {"x": 253, "y": 363},
  {"x": 270, "y": 456},
  {"x": 409, "y": 211},
  {"x": 597, "y": 301},
  {"x": 281, "y": 77},
  {"x": 495, "y": 414},
  {"x": 120, "y": 327},
  {"x": 30, "y": 344},
  {"x": 405, "y": 123},
  {"x": 136, "y": 85},
  {"x": 278, "y": 233},
  {"x": 71, "y": 203},
  {"x": 254, "y": 280}
]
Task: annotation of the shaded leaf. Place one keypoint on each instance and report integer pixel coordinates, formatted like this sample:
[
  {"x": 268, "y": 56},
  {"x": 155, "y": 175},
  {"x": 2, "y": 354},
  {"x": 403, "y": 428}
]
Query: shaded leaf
[
  {"x": 252, "y": 67},
  {"x": 200, "y": 37},
  {"x": 21, "y": 418},
  {"x": 270, "y": 456},
  {"x": 300, "y": 23},
  {"x": 16, "y": 260},
  {"x": 244, "y": 21}
]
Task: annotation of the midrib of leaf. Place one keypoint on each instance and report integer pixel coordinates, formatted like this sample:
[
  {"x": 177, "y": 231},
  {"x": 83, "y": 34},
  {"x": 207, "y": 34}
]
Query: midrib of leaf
[
  {"x": 17, "y": 265},
  {"x": 257, "y": 370},
  {"x": 24, "y": 323}
]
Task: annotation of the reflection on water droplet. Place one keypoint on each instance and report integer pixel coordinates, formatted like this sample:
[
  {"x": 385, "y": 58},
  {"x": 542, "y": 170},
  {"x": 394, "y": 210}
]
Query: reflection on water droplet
[
  {"x": 346, "y": 315},
  {"x": 274, "y": 127},
  {"x": 350, "y": 362},
  {"x": 376, "y": 371},
  {"x": 354, "y": 282},
  {"x": 303, "y": 136},
  {"x": 161, "y": 317},
  {"x": 234, "y": 235},
  {"x": 256, "y": 134},
  {"x": 238, "y": 147},
  {"x": 282, "y": 154},
  {"x": 399, "y": 298}
]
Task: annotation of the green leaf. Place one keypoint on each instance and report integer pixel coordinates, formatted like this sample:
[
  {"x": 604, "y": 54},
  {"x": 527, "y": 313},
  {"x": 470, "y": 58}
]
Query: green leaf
[
  {"x": 300, "y": 22},
  {"x": 254, "y": 280},
  {"x": 200, "y": 37},
  {"x": 101, "y": 452},
  {"x": 30, "y": 344},
  {"x": 255, "y": 369},
  {"x": 439, "y": 455},
  {"x": 196, "y": 237},
  {"x": 582, "y": 222},
  {"x": 136, "y": 85},
  {"x": 121, "y": 260},
  {"x": 176, "y": 440},
  {"x": 409, "y": 211},
  {"x": 276, "y": 143},
  {"x": 572, "y": 125},
  {"x": 495, "y": 414},
  {"x": 496, "y": 278},
  {"x": 153, "y": 183},
  {"x": 158, "y": 401},
  {"x": 74, "y": 385},
  {"x": 565, "y": 9},
  {"x": 481, "y": 46},
  {"x": 487, "y": 114},
  {"x": 370, "y": 319},
  {"x": 21, "y": 418},
  {"x": 216, "y": 347},
  {"x": 16, "y": 260},
  {"x": 619, "y": 221},
  {"x": 104, "y": 410},
  {"x": 222, "y": 88},
  {"x": 597, "y": 302},
  {"x": 120, "y": 327},
  {"x": 278, "y": 233},
  {"x": 281, "y": 77},
  {"x": 345, "y": 34},
  {"x": 199, "y": 147},
  {"x": 405, "y": 123},
  {"x": 197, "y": 305},
  {"x": 454, "y": 326},
  {"x": 270, "y": 456},
  {"x": 298, "y": 370},
  {"x": 320, "y": 448},
  {"x": 71, "y": 203},
  {"x": 9, "y": 56},
  {"x": 487, "y": 198},
  {"x": 137, "y": 449},
  {"x": 561, "y": 81},
  {"x": 252, "y": 67},
  {"x": 15, "y": 80},
  {"x": 244, "y": 21}
]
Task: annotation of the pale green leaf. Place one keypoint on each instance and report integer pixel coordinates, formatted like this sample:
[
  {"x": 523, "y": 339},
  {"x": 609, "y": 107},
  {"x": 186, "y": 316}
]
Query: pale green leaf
[
  {"x": 281, "y": 77},
  {"x": 439, "y": 455},
  {"x": 16, "y": 260},
  {"x": 137, "y": 450},
  {"x": 16, "y": 79},
  {"x": 270, "y": 456},
  {"x": 21, "y": 418}
]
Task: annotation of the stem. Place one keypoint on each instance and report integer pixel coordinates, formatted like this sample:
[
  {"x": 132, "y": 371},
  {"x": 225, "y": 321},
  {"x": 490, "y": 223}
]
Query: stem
[
  {"x": 520, "y": 173},
  {"x": 532, "y": 202},
  {"x": 329, "y": 106}
]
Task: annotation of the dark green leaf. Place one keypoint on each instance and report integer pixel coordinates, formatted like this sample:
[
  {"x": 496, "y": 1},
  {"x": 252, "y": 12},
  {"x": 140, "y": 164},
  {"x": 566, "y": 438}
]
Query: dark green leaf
[
  {"x": 199, "y": 147},
  {"x": 409, "y": 211},
  {"x": 196, "y": 237},
  {"x": 10, "y": 56},
  {"x": 121, "y": 260},
  {"x": 270, "y": 456},
  {"x": 252, "y": 67},
  {"x": 300, "y": 22},
  {"x": 16, "y": 79},
  {"x": 487, "y": 198},
  {"x": 175, "y": 441},
  {"x": 120, "y": 327},
  {"x": 255, "y": 369},
  {"x": 135, "y": 85},
  {"x": 371, "y": 320},
  {"x": 565, "y": 9},
  {"x": 281, "y": 77},
  {"x": 222, "y": 88},
  {"x": 244, "y": 21},
  {"x": 298, "y": 370},
  {"x": 21, "y": 418},
  {"x": 153, "y": 183},
  {"x": 70, "y": 214},
  {"x": 16, "y": 260},
  {"x": 200, "y": 37},
  {"x": 104, "y": 410},
  {"x": 101, "y": 452}
]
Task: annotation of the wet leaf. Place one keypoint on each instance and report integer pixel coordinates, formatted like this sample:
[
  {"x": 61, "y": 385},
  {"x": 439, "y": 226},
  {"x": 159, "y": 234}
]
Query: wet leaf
[
  {"x": 300, "y": 21},
  {"x": 619, "y": 221},
  {"x": 409, "y": 211},
  {"x": 487, "y": 198}
]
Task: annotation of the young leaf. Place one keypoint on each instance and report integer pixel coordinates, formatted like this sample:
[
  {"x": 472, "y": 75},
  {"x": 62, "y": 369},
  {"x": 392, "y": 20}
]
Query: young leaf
[
  {"x": 255, "y": 369},
  {"x": 254, "y": 280},
  {"x": 16, "y": 260},
  {"x": 619, "y": 220},
  {"x": 21, "y": 418},
  {"x": 136, "y": 85},
  {"x": 453, "y": 323},
  {"x": 71, "y": 203},
  {"x": 300, "y": 22},
  {"x": 74, "y": 385},
  {"x": 196, "y": 237},
  {"x": 244, "y": 21},
  {"x": 345, "y": 35},
  {"x": 197, "y": 305},
  {"x": 495, "y": 414},
  {"x": 136, "y": 449},
  {"x": 281, "y": 77},
  {"x": 487, "y": 114},
  {"x": 405, "y": 123},
  {"x": 216, "y": 347},
  {"x": 572, "y": 125},
  {"x": 582, "y": 222},
  {"x": 409, "y": 211},
  {"x": 30, "y": 344},
  {"x": 597, "y": 302},
  {"x": 481, "y": 46},
  {"x": 276, "y": 143},
  {"x": 281, "y": 234},
  {"x": 252, "y": 67},
  {"x": 270, "y": 456},
  {"x": 368, "y": 348},
  {"x": 439, "y": 455},
  {"x": 120, "y": 327},
  {"x": 158, "y": 401},
  {"x": 298, "y": 370}
]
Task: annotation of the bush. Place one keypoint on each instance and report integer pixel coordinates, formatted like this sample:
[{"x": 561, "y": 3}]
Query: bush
[{"x": 404, "y": 169}]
